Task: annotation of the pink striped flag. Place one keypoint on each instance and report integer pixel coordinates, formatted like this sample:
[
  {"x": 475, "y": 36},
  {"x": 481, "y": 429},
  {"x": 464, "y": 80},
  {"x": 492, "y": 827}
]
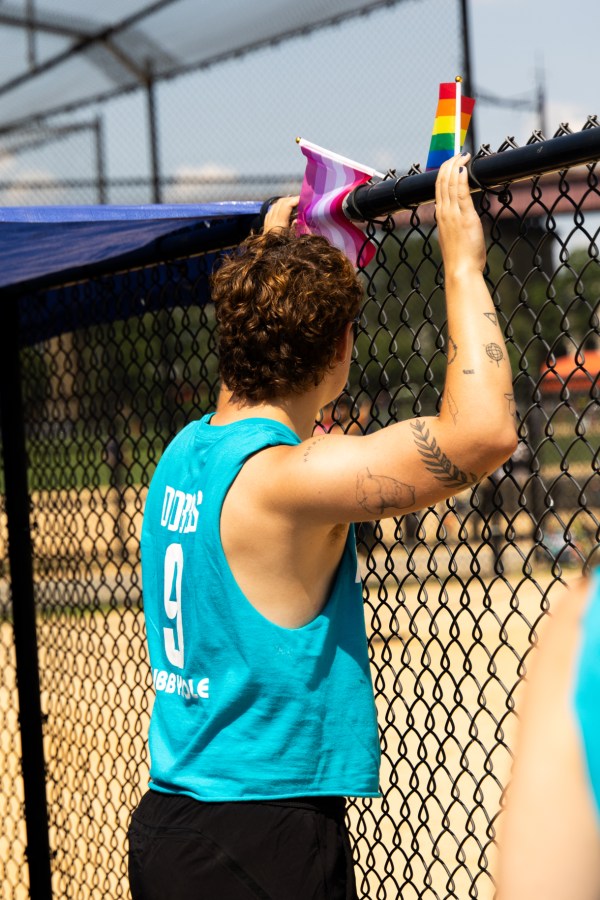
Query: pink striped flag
[{"x": 328, "y": 180}]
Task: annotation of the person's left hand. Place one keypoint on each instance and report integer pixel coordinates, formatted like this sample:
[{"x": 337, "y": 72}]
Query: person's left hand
[
  {"x": 279, "y": 213},
  {"x": 460, "y": 231}
]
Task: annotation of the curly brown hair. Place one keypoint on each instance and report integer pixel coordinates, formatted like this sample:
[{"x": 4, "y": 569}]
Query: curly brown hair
[{"x": 281, "y": 302}]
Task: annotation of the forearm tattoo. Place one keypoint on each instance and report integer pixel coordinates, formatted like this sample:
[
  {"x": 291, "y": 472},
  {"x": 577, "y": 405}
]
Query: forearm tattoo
[
  {"x": 452, "y": 407},
  {"x": 376, "y": 493},
  {"x": 492, "y": 317},
  {"x": 452, "y": 350},
  {"x": 512, "y": 408},
  {"x": 494, "y": 351},
  {"x": 436, "y": 462}
]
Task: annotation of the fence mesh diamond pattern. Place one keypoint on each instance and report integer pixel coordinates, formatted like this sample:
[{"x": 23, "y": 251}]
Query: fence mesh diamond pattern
[{"x": 453, "y": 594}]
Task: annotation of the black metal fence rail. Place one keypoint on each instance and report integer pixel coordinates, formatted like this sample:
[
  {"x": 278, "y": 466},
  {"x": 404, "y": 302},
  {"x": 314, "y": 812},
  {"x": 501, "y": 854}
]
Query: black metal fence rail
[
  {"x": 486, "y": 171},
  {"x": 53, "y": 191},
  {"x": 453, "y": 594}
]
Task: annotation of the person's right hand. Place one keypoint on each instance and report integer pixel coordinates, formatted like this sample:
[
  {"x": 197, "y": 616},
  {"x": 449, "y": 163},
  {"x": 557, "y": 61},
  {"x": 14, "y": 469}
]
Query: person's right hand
[
  {"x": 280, "y": 213},
  {"x": 459, "y": 227}
]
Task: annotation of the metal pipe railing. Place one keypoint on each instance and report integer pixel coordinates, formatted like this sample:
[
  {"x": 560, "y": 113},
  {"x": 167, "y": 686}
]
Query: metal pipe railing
[{"x": 369, "y": 201}]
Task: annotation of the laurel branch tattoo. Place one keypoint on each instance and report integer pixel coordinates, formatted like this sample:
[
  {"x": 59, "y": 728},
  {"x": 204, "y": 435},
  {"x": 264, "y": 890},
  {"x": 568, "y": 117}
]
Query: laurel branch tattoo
[
  {"x": 436, "y": 461},
  {"x": 376, "y": 493}
]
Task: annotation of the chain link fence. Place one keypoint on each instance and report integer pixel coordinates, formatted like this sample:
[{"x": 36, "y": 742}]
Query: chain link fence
[{"x": 453, "y": 594}]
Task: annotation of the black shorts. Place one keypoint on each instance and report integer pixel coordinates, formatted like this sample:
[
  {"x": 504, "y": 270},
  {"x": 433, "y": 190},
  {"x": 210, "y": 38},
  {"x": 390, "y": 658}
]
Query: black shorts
[{"x": 182, "y": 849}]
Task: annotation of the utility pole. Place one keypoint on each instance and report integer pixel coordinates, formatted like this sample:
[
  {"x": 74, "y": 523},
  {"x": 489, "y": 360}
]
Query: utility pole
[
  {"x": 540, "y": 81},
  {"x": 153, "y": 135},
  {"x": 467, "y": 71}
]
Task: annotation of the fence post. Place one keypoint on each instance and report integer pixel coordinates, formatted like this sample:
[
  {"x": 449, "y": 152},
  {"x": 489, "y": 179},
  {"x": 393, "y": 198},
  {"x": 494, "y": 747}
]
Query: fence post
[
  {"x": 153, "y": 136},
  {"x": 467, "y": 62},
  {"x": 12, "y": 422}
]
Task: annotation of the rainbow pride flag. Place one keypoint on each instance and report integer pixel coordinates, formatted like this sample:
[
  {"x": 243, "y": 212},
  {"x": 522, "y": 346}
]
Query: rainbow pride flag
[
  {"x": 452, "y": 118},
  {"x": 328, "y": 179}
]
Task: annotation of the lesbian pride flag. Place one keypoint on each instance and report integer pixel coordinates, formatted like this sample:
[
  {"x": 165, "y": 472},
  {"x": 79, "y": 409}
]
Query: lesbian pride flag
[
  {"x": 328, "y": 179},
  {"x": 452, "y": 119}
]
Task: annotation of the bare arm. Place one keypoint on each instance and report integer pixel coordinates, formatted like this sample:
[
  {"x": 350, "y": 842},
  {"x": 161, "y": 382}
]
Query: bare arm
[
  {"x": 478, "y": 378},
  {"x": 549, "y": 834},
  {"x": 416, "y": 463}
]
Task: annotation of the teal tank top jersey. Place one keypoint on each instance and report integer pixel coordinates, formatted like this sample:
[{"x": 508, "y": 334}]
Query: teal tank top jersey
[
  {"x": 587, "y": 686},
  {"x": 245, "y": 709}
]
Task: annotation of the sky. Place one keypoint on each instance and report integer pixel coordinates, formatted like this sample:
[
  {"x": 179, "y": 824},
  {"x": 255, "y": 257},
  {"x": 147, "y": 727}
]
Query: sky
[
  {"x": 372, "y": 95},
  {"x": 366, "y": 89},
  {"x": 512, "y": 38}
]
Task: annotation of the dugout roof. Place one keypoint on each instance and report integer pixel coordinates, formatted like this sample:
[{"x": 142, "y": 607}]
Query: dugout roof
[
  {"x": 58, "y": 55},
  {"x": 50, "y": 244}
]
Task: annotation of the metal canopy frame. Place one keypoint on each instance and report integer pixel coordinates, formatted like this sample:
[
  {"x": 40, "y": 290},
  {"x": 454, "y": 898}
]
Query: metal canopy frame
[
  {"x": 129, "y": 70},
  {"x": 127, "y": 56}
]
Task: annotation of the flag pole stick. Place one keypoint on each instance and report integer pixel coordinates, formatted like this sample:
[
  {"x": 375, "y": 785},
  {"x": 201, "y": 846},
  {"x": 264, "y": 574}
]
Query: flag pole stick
[{"x": 457, "y": 115}]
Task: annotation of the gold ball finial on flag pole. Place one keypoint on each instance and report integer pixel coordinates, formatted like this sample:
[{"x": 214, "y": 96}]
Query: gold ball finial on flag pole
[
  {"x": 458, "y": 78},
  {"x": 298, "y": 139}
]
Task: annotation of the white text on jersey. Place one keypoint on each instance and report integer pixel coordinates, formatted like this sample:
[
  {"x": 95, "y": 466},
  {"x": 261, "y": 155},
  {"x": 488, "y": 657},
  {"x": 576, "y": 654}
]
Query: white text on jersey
[{"x": 180, "y": 510}]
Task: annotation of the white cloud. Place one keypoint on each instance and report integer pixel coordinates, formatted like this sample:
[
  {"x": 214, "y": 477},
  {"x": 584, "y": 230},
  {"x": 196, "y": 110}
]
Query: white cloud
[
  {"x": 7, "y": 162},
  {"x": 210, "y": 171},
  {"x": 383, "y": 159},
  {"x": 22, "y": 191},
  {"x": 573, "y": 113},
  {"x": 193, "y": 184}
]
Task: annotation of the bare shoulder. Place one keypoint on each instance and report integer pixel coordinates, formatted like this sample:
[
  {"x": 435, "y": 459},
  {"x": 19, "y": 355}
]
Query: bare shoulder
[
  {"x": 297, "y": 479},
  {"x": 267, "y": 488},
  {"x": 342, "y": 478}
]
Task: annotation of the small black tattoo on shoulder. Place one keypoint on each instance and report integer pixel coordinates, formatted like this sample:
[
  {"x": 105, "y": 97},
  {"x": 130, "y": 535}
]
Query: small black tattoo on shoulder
[
  {"x": 376, "y": 493},
  {"x": 492, "y": 317},
  {"x": 436, "y": 461},
  {"x": 468, "y": 371},
  {"x": 494, "y": 351},
  {"x": 452, "y": 350},
  {"x": 312, "y": 444}
]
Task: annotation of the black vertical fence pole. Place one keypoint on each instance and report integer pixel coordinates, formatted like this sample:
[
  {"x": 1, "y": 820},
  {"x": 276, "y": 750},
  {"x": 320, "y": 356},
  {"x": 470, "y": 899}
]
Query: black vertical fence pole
[
  {"x": 153, "y": 136},
  {"x": 31, "y": 33},
  {"x": 467, "y": 62},
  {"x": 100, "y": 159},
  {"x": 12, "y": 422}
]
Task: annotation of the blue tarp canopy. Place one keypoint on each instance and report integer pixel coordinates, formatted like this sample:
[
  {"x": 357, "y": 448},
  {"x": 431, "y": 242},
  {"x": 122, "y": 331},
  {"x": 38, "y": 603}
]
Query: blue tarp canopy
[{"x": 43, "y": 244}]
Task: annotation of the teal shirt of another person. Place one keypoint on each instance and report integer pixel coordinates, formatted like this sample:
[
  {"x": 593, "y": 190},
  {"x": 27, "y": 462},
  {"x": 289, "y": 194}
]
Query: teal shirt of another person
[
  {"x": 587, "y": 686},
  {"x": 245, "y": 709}
]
